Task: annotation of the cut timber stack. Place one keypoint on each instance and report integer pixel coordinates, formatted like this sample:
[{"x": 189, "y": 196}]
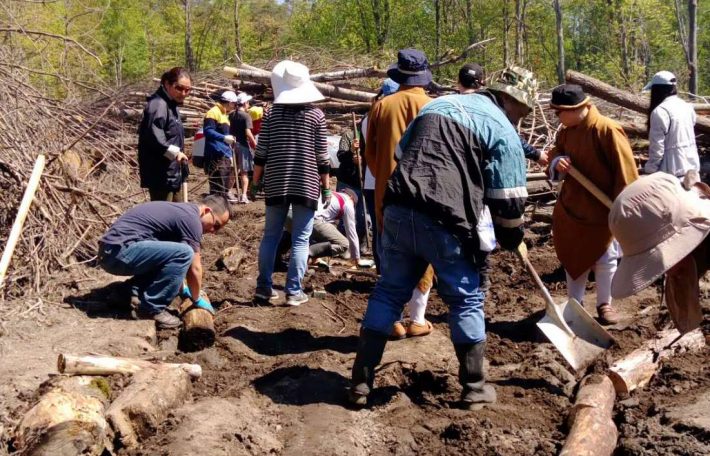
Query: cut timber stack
[
  {"x": 68, "y": 420},
  {"x": 197, "y": 327}
]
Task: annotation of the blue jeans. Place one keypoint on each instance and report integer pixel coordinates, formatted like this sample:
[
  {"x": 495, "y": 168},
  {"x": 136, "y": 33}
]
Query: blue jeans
[
  {"x": 300, "y": 234},
  {"x": 411, "y": 241},
  {"x": 370, "y": 201},
  {"x": 158, "y": 267}
]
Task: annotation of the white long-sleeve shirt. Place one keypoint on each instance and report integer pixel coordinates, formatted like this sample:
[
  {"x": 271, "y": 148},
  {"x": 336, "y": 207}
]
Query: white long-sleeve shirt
[
  {"x": 342, "y": 207},
  {"x": 671, "y": 138}
]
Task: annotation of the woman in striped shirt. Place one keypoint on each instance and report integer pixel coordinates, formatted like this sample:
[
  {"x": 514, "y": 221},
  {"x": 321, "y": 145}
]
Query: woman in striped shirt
[{"x": 292, "y": 156}]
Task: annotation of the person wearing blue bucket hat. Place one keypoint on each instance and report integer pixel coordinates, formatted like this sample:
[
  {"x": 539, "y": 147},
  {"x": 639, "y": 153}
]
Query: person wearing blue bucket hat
[{"x": 412, "y": 68}]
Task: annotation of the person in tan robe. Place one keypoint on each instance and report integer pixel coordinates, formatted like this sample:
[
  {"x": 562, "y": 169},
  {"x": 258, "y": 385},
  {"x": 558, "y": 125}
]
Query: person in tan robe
[
  {"x": 599, "y": 149},
  {"x": 387, "y": 121}
]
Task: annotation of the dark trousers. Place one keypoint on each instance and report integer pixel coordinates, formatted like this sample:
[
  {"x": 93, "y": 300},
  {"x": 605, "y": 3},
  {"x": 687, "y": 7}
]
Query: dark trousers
[
  {"x": 221, "y": 175},
  {"x": 163, "y": 195},
  {"x": 370, "y": 201}
]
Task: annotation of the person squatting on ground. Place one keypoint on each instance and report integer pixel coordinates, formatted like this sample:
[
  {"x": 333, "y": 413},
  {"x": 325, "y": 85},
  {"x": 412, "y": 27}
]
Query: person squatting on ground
[
  {"x": 459, "y": 154},
  {"x": 158, "y": 243},
  {"x": 663, "y": 229},
  {"x": 388, "y": 119},
  {"x": 241, "y": 128},
  {"x": 326, "y": 239},
  {"x": 598, "y": 147},
  {"x": 162, "y": 163},
  {"x": 292, "y": 155},
  {"x": 218, "y": 145},
  {"x": 348, "y": 174},
  {"x": 671, "y": 136}
]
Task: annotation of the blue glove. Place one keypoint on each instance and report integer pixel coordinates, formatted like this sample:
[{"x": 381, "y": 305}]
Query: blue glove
[
  {"x": 185, "y": 293},
  {"x": 202, "y": 303}
]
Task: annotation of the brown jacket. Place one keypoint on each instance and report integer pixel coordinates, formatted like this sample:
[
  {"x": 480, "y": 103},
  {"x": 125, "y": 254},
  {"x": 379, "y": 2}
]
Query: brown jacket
[
  {"x": 600, "y": 150},
  {"x": 386, "y": 123}
]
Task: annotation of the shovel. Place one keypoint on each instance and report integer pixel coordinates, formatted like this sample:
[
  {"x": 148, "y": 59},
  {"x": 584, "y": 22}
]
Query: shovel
[{"x": 576, "y": 335}]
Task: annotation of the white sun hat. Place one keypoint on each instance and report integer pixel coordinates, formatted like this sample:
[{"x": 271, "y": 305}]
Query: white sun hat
[
  {"x": 228, "y": 96},
  {"x": 662, "y": 78},
  {"x": 292, "y": 84},
  {"x": 243, "y": 98}
]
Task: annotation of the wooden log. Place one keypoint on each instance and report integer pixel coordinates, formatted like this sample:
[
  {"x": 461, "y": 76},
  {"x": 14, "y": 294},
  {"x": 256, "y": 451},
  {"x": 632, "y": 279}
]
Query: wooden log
[
  {"x": 340, "y": 107},
  {"x": 109, "y": 365},
  {"x": 197, "y": 331},
  {"x": 592, "y": 431},
  {"x": 145, "y": 403},
  {"x": 327, "y": 90},
  {"x": 610, "y": 93},
  {"x": 68, "y": 420},
  {"x": 19, "y": 222},
  {"x": 637, "y": 368},
  {"x": 350, "y": 73}
]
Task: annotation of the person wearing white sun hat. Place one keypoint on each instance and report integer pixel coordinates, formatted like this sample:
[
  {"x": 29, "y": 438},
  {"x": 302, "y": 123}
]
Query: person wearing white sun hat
[
  {"x": 671, "y": 135},
  {"x": 663, "y": 229},
  {"x": 292, "y": 156}
]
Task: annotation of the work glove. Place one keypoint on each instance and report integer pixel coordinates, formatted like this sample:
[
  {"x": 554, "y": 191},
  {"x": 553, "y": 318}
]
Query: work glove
[
  {"x": 229, "y": 139},
  {"x": 185, "y": 292},
  {"x": 325, "y": 195},
  {"x": 255, "y": 188},
  {"x": 203, "y": 303}
]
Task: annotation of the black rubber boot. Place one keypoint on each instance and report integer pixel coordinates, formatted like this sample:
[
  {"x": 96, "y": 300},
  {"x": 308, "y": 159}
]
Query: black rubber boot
[
  {"x": 471, "y": 375},
  {"x": 370, "y": 348}
]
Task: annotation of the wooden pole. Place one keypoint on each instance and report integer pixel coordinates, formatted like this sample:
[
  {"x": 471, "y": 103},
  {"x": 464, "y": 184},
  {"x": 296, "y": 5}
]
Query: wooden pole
[
  {"x": 16, "y": 230},
  {"x": 359, "y": 177}
]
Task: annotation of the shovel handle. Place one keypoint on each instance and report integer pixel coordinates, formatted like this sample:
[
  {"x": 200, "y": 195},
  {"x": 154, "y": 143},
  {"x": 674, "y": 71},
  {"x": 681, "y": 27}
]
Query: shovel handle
[
  {"x": 589, "y": 185},
  {"x": 522, "y": 252}
]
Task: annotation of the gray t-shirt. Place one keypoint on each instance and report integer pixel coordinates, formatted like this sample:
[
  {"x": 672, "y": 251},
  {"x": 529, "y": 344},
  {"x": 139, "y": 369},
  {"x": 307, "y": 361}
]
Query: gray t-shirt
[{"x": 157, "y": 221}]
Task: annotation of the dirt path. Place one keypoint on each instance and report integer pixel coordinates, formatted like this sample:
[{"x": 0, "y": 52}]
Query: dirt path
[{"x": 274, "y": 381}]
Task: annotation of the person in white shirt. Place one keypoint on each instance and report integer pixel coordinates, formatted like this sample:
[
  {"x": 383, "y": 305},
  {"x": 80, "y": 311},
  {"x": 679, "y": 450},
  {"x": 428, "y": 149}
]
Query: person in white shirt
[
  {"x": 326, "y": 239},
  {"x": 671, "y": 135}
]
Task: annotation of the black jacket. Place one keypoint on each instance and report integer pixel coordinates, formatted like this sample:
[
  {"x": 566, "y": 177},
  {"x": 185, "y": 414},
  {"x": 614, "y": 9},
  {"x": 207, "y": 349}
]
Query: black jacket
[
  {"x": 347, "y": 172},
  {"x": 160, "y": 127}
]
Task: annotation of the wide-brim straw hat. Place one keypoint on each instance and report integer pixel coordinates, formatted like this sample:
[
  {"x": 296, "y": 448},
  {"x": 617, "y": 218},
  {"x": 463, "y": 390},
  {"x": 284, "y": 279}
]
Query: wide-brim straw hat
[
  {"x": 291, "y": 82},
  {"x": 657, "y": 224}
]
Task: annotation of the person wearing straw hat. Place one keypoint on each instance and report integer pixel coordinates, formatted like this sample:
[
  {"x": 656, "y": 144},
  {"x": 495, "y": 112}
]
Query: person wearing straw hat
[
  {"x": 387, "y": 121},
  {"x": 459, "y": 154},
  {"x": 292, "y": 156},
  {"x": 598, "y": 147},
  {"x": 671, "y": 136},
  {"x": 218, "y": 145},
  {"x": 241, "y": 127},
  {"x": 663, "y": 229}
]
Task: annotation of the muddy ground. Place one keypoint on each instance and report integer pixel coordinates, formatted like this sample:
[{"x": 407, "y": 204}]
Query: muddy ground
[{"x": 274, "y": 383}]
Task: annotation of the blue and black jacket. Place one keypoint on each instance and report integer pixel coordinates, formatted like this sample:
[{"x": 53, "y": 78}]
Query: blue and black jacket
[
  {"x": 460, "y": 153},
  {"x": 215, "y": 127}
]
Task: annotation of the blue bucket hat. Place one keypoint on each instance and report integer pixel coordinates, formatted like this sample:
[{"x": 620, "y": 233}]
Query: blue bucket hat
[
  {"x": 412, "y": 68},
  {"x": 389, "y": 87}
]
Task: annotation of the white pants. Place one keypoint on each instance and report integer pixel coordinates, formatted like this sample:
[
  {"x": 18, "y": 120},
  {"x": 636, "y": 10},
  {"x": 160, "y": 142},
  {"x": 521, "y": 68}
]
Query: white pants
[{"x": 604, "y": 270}]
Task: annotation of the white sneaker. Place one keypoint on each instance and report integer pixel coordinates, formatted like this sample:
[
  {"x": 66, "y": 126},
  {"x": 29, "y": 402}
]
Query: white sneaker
[
  {"x": 297, "y": 299},
  {"x": 244, "y": 200}
]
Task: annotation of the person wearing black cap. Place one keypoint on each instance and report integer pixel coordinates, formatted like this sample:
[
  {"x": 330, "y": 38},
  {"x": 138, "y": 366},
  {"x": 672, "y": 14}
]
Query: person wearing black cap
[{"x": 599, "y": 149}]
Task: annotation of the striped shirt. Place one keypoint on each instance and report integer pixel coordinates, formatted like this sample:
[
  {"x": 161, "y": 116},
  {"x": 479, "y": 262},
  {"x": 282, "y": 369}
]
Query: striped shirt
[{"x": 293, "y": 150}]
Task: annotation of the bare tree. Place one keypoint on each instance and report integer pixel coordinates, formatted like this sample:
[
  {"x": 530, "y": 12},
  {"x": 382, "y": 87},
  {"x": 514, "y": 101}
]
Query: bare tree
[
  {"x": 693, "y": 46},
  {"x": 189, "y": 55},
  {"x": 237, "y": 37},
  {"x": 560, "y": 42},
  {"x": 520, "y": 6}
]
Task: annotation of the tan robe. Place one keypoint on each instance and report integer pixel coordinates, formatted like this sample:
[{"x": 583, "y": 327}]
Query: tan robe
[{"x": 600, "y": 150}]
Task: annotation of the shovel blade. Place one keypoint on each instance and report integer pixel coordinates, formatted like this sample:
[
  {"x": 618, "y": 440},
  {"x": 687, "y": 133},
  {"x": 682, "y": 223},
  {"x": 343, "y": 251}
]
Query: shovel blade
[{"x": 576, "y": 335}]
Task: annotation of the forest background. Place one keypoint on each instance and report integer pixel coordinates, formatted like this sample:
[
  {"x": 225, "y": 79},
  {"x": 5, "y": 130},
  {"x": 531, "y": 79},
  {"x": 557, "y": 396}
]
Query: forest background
[{"x": 71, "y": 46}]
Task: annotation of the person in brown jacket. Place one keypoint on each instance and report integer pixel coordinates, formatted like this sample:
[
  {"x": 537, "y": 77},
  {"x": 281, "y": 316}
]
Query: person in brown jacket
[
  {"x": 388, "y": 119},
  {"x": 599, "y": 149}
]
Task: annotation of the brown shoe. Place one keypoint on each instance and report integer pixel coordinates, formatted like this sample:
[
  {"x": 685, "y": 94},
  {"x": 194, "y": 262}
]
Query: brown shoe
[
  {"x": 607, "y": 315},
  {"x": 398, "y": 331},
  {"x": 415, "y": 329}
]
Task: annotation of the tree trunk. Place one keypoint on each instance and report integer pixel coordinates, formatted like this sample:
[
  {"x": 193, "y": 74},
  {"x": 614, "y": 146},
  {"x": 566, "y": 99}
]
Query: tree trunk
[
  {"x": 381, "y": 15},
  {"x": 593, "y": 432},
  {"x": 189, "y": 54},
  {"x": 693, "y": 46},
  {"x": 469, "y": 22},
  {"x": 145, "y": 403},
  {"x": 519, "y": 32},
  {"x": 197, "y": 331},
  {"x": 560, "y": 43},
  {"x": 68, "y": 420},
  {"x": 237, "y": 37},
  {"x": 109, "y": 365},
  {"x": 437, "y": 39},
  {"x": 506, "y": 29}
]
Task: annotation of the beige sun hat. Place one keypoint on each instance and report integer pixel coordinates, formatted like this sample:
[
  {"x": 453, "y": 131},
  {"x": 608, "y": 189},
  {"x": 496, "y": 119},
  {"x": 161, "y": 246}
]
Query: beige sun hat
[
  {"x": 657, "y": 224},
  {"x": 292, "y": 84}
]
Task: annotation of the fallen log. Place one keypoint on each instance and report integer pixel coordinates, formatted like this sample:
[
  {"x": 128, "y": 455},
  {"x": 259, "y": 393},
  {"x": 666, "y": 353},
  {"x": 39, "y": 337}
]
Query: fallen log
[
  {"x": 610, "y": 93},
  {"x": 592, "y": 431},
  {"x": 145, "y": 403},
  {"x": 327, "y": 90},
  {"x": 637, "y": 368},
  {"x": 68, "y": 420},
  {"x": 109, "y": 365},
  {"x": 351, "y": 73},
  {"x": 197, "y": 331},
  {"x": 340, "y": 107}
]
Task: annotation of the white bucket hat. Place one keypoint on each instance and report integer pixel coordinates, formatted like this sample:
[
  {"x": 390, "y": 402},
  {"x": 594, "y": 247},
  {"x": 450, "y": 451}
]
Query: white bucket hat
[
  {"x": 292, "y": 84},
  {"x": 661, "y": 78},
  {"x": 243, "y": 98},
  {"x": 657, "y": 224}
]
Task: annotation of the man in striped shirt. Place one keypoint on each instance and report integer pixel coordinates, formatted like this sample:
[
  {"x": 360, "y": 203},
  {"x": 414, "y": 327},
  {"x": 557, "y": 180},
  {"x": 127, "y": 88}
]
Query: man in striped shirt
[{"x": 460, "y": 153}]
